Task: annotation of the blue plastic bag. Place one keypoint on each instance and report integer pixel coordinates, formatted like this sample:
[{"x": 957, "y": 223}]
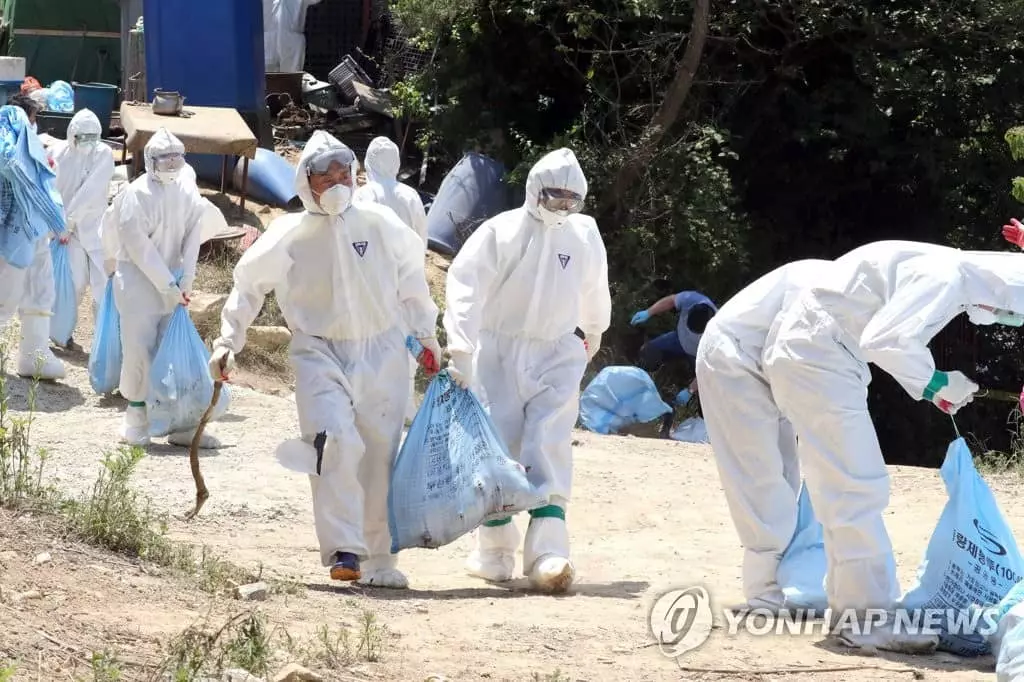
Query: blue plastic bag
[
  {"x": 452, "y": 473},
  {"x": 29, "y": 201},
  {"x": 801, "y": 573},
  {"x": 180, "y": 386},
  {"x": 105, "y": 356},
  {"x": 972, "y": 557},
  {"x": 619, "y": 397},
  {"x": 60, "y": 97},
  {"x": 65, "y": 305}
]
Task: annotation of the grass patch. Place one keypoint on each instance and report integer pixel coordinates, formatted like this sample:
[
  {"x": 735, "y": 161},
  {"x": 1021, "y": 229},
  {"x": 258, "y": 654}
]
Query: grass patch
[{"x": 249, "y": 642}]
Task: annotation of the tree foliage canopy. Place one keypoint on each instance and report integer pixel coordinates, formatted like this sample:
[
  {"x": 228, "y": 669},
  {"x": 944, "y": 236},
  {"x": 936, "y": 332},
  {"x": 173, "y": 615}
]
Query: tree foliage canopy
[{"x": 811, "y": 127}]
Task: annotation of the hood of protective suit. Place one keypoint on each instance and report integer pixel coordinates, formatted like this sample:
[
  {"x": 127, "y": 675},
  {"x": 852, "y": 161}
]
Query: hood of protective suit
[
  {"x": 162, "y": 142},
  {"x": 993, "y": 279},
  {"x": 383, "y": 161},
  {"x": 556, "y": 169},
  {"x": 84, "y": 123},
  {"x": 318, "y": 142}
]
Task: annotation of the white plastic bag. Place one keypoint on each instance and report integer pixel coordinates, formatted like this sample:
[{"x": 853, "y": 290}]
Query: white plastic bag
[{"x": 692, "y": 430}]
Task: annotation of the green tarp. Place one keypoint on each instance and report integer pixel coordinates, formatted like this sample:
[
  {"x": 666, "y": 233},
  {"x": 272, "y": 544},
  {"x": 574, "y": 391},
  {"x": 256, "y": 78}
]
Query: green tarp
[{"x": 69, "y": 40}]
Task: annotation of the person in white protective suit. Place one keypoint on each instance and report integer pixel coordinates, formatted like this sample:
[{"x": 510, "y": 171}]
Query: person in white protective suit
[
  {"x": 350, "y": 282},
  {"x": 31, "y": 293},
  {"x": 156, "y": 231},
  {"x": 284, "y": 34},
  {"x": 85, "y": 167},
  {"x": 382, "y": 163},
  {"x": 527, "y": 305},
  {"x": 881, "y": 303},
  {"x": 753, "y": 444}
]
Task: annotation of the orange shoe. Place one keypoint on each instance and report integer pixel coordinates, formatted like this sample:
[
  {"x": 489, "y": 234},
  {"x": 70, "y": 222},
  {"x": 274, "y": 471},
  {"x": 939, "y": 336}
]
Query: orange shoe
[{"x": 346, "y": 568}]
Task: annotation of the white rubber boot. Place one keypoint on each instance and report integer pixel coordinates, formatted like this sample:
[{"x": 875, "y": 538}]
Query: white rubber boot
[
  {"x": 184, "y": 439},
  {"x": 382, "y": 571},
  {"x": 135, "y": 427},
  {"x": 494, "y": 558},
  {"x": 35, "y": 344},
  {"x": 546, "y": 552}
]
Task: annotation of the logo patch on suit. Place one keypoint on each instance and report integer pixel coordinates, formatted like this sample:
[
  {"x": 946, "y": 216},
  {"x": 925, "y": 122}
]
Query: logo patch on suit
[
  {"x": 360, "y": 248},
  {"x": 563, "y": 258}
]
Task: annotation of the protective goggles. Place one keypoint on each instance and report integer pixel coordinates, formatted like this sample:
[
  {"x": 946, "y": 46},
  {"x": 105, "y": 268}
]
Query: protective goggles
[
  {"x": 169, "y": 162},
  {"x": 558, "y": 199},
  {"x": 87, "y": 138},
  {"x": 320, "y": 163}
]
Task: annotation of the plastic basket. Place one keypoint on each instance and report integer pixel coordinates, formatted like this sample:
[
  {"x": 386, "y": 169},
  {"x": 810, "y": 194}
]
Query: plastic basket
[
  {"x": 343, "y": 74},
  {"x": 324, "y": 97}
]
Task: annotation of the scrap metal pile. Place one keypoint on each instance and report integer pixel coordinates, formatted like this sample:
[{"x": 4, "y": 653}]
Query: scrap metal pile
[{"x": 348, "y": 106}]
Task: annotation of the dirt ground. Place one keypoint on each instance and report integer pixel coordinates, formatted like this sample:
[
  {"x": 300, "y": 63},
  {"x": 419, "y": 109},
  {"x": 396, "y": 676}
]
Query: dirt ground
[{"x": 647, "y": 516}]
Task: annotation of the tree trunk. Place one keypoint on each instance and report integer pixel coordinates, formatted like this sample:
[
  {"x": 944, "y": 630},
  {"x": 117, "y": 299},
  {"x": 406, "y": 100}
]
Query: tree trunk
[{"x": 668, "y": 112}]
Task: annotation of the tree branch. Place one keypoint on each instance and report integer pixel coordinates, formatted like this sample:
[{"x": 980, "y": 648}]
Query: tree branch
[{"x": 670, "y": 108}]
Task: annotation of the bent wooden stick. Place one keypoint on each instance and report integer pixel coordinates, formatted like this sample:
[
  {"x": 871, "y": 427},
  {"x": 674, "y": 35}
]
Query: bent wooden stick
[{"x": 202, "y": 494}]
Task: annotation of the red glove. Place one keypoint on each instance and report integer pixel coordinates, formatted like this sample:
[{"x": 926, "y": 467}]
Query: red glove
[
  {"x": 1014, "y": 233},
  {"x": 1022, "y": 400}
]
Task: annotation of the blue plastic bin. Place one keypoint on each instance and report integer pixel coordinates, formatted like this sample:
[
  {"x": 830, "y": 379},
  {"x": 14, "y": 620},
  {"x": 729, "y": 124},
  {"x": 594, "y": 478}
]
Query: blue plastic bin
[
  {"x": 8, "y": 88},
  {"x": 99, "y": 98}
]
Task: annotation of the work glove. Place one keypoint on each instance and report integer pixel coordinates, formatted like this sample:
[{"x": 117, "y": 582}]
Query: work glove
[
  {"x": 430, "y": 358},
  {"x": 222, "y": 362},
  {"x": 460, "y": 368},
  {"x": 186, "y": 298},
  {"x": 958, "y": 391},
  {"x": 592, "y": 344},
  {"x": 1014, "y": 233},
  {"x": 1021, "y": 400},
  {"x": 640, "y": 317},
  {"x": 110, "y": 266}
]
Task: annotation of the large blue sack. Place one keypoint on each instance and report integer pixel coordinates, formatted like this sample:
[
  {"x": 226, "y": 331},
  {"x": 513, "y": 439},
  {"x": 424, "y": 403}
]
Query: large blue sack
[
  {"x": 619, "y": 397},
  {"x": 801, "y": 573},
  {"x": 29, "y": 201},
  {"x": 453, "y": 472},
  {"x": 972, "y": 557},
  {"x": 105, "y": 356},
  {"x": 65, "y": 305},
  {"x": 180, "y": 386}
]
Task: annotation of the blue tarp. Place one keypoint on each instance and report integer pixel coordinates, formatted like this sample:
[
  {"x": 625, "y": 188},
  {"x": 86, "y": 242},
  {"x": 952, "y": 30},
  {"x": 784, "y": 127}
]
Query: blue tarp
[
  {"x": 473, "y": 191},
  {"x": 29, "y": 201}
]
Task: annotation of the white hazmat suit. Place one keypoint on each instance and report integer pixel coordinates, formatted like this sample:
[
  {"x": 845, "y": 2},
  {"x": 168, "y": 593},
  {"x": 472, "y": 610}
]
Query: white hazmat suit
[
  {"x": 157, "y": 231},
  {"x": 382, "y": 163},
  {"x": 753, "y": 444},
  {"x": 349, "y": 283},
  {"x": 284, "y": 34},
  {"x": 84, "y": 171},
  {"x": 516, "y": 291},
  {"x": 816, "y": 360}
]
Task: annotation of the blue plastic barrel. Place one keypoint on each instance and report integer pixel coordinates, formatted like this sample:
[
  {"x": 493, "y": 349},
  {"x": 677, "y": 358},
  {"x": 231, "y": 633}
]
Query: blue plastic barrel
[
  {"x": 99, "y": 98},
  {"x": 8, "y": 88}
]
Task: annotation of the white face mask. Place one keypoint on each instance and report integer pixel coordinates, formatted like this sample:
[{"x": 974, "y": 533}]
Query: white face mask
[
  {"x": 335, "y": 200},
  {"x": 552, "y": 218},
  {"x": 167, "y": 176}
]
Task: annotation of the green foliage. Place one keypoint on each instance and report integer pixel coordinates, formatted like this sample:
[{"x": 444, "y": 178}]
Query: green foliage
[{"x": 811, "y": 128}]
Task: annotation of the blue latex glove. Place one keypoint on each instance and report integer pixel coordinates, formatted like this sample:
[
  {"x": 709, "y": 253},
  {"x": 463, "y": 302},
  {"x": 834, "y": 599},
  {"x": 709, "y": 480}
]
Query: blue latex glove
[
  {"x": 683, "y": 397},
  {"x": 640, "y": 318}
]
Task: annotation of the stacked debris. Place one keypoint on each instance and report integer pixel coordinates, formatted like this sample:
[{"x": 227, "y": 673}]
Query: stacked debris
[{"x": 348, "y": 107}]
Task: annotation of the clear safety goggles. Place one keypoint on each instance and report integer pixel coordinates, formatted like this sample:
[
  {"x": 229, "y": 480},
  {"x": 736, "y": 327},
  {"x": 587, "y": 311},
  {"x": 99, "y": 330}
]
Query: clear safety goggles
[
  {"x": 169, "y": 162},
  {"x": 320, "y": 163},
  {"x": 559, "y": 199},
  {"x": 87, "y": 138}
]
